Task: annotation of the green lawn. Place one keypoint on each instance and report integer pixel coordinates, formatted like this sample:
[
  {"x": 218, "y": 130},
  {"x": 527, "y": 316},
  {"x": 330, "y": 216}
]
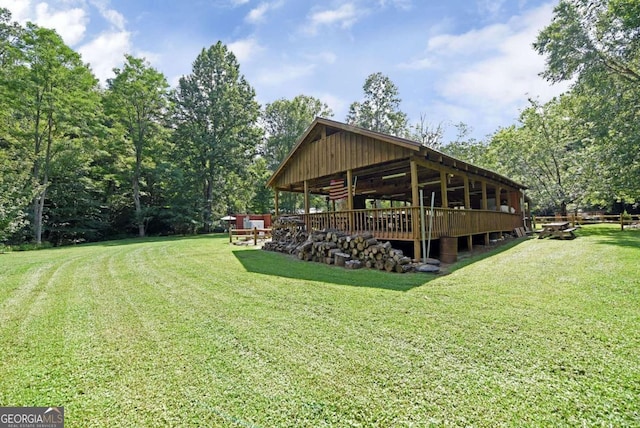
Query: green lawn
[{"x": 195, "y": 332}]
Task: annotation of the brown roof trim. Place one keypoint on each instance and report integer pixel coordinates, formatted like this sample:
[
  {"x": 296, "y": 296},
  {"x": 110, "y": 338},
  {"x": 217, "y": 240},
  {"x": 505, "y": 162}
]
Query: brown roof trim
[
  {"x": 403, "y": 142},
  {"x": 344, "y": 127},
  {"x": 430, "y": 153}
]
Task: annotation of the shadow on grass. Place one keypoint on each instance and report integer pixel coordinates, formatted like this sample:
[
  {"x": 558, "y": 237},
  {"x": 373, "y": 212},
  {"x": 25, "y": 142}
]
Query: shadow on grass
[
  {"x": 609, "y": 234},
  {"x": 473, "y": 258},
  {"x": 285, "y": 266}
]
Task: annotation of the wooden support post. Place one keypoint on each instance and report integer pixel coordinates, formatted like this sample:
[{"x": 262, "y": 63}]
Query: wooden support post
[
  {"x": 443, "y": 189},
  {"x": 306, "y": 197},
  {"x": 467, "y": 195},
  {"x": 350, "y": 198},
  {"x": 467, "y": 206},
  {"x": 276, "y": 194},
  {"x": 349, "y": 189},
  {"x": 444, "y": 204},
  {"x": 485, "y": 204},
  {"x": 485, "y": 207},
  {"x": 255, "y": 235},
  {"x": 498, "y": 200},
  {"x": 415, "y": 218}
]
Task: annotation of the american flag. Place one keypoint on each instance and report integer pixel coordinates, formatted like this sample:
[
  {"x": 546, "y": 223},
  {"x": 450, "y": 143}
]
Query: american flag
[{"x": 338, "y": 189}]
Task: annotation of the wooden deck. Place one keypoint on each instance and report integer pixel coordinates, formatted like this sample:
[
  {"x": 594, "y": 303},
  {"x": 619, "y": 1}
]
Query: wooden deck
[{"x": 403, "y": 223}]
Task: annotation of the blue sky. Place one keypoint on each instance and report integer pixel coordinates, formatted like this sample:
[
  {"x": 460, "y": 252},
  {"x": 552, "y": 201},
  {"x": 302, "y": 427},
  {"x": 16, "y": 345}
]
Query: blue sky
[{"x": 453, "y": 61}]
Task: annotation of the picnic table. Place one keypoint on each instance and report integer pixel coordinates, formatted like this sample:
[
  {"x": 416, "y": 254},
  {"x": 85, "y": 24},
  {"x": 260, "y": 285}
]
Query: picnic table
[{"x": 559, "y": 229}]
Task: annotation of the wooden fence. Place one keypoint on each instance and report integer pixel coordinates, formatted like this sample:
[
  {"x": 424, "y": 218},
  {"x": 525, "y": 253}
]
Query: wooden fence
[
  {"x": 249, "y": 234},
  {"x": 579, "y": 219}
]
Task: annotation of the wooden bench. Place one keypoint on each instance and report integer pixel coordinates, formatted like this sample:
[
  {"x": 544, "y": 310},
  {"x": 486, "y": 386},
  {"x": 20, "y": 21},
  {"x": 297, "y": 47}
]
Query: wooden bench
[
  {"x": 559, "y": 230},
  {"x": 566, "y": 233}
]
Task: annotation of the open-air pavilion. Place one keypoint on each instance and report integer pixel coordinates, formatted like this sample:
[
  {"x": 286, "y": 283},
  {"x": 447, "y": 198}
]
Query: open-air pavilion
[{"x": 470, "y": 201}]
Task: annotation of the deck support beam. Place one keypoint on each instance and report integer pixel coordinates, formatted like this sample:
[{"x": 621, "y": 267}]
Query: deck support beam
[
  {"x": 436, "y": 166},
  {"x": 306, "y": 196},
  {"x": 350, "y": 197},
  {"x": 467, "y": 206},
  {"x": 485, "y": 207},
  {"x": 415, "y": 220},
  {"x": 443, "y": 189}
]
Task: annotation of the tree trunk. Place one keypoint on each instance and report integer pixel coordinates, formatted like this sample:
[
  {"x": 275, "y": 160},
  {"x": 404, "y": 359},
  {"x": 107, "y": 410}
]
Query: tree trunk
[
  {"x": 136, "y": 188},
  {"x": 563, "y": 209},
  {"x": 208, "y": 208},
  {"x": 138, "y": 207},
  {"x": 39, "y": 200},
  {"x": 38, "y": 209}
]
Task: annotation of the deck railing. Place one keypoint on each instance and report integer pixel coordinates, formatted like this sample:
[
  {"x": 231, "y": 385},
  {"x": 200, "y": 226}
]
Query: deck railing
[{"x": 403, "y": 223}]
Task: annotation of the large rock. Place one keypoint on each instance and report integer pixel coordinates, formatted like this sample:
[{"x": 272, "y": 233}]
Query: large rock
[{"x": 428, "y": 268}]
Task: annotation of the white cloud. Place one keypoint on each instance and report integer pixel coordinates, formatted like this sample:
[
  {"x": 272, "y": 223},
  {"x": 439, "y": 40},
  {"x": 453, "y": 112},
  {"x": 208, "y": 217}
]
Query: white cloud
[
  {"x": 336, "y": 103},
  {"x": 490, "y": 7},
  {"x": 238, "y": 2},
  {"x": 245, "y": 49},
  {"x": 484, "y": 76},
  {"x": 71, "y": 24},
  {"x": 494, "y": 63},
  {"x": 70, "y": 19},
  {"x": 284, "y": 73},
  {"x": 512, "y": 72},
  {"x": 400, "y": 4},
  {"x": 106, "y": 52},
  {"x": 344, "y": 16},
  {"x": 20, "y": 9},
  {"x": 112, "y": 16},
  {"x": 419, "y": 64},
  {"x": 257, "y": 14},
  {"x": 326, "y": 57}
]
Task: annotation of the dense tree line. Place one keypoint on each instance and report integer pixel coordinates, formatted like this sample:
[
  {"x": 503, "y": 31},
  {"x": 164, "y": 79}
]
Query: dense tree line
[
  {"x": 581, "y": 149},
  {"x": 82, "y": 162}
]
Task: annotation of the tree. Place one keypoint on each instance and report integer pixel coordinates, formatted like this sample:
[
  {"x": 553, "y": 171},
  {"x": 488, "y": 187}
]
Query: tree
[
  {"x": 9, "y": 34},
  {"x": 465, "y": 147},
  {"x": 587, "y": 37},
  {"x": 284, "y": 121},
  {"x": 380, "y": 110},
  {"x": 597, "y": 43},
  {"x": 137, "y": 99},
  {"x": 14, "y": 190},
  {"x": 427, "y": 134},
  {"x": 215, "y": 125},
  {"x": 262, "y": 198},
  {"x": 14, "y": 169},
  {"x": 547, "y": 153},
  {"x": 53, "y": 100}
]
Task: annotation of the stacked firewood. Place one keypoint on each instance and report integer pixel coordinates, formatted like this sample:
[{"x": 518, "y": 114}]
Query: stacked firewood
[
  {"x": 336, "y": 247},
  {"x": 287, "y": 234}
]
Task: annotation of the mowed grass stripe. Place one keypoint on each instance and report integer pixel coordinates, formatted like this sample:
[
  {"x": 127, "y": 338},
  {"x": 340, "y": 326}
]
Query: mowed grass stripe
[
  {"x": 140, "y": 294},
  {"x": 194, "y": 332},
  {"x": 36, "y": 356}
]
